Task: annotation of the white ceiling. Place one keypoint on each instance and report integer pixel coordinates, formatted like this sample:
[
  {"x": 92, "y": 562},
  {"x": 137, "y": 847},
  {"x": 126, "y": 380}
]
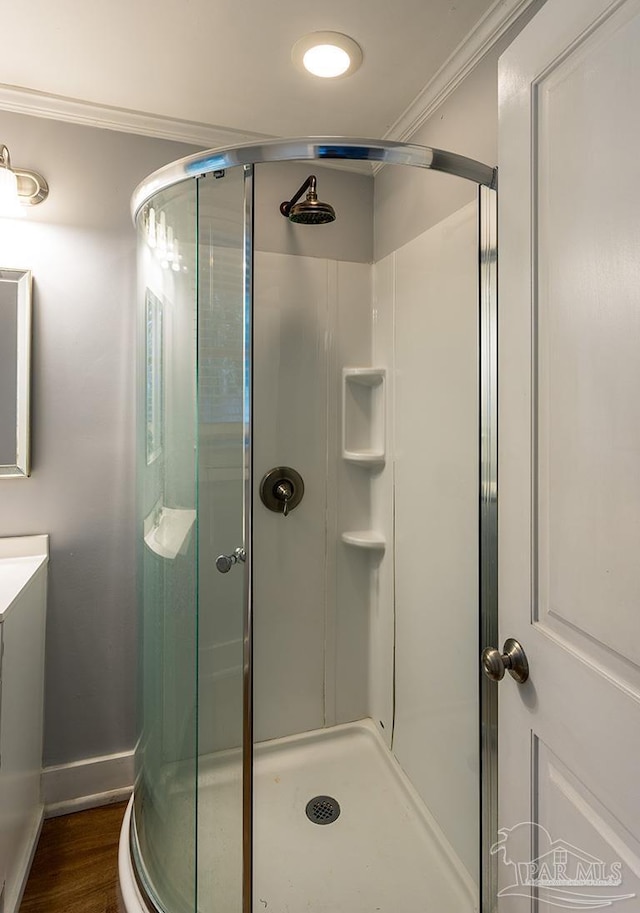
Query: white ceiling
[{"x": 228, "y": 62}]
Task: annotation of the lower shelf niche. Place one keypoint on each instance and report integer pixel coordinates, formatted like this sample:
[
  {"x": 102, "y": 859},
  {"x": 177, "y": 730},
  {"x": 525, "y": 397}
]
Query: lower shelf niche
[{"x": 365, "y": 538}]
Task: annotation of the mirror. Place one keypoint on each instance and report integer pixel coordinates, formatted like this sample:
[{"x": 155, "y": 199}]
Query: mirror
[{"x": 15, "y": 371}]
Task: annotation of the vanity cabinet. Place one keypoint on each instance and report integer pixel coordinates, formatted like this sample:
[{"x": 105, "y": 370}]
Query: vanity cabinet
[{"x": 23, "y": 592}]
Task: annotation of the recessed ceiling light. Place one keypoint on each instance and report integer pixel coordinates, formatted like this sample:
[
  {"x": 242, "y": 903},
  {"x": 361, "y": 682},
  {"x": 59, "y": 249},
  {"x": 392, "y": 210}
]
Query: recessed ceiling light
[{"x": 327, "y": 54}]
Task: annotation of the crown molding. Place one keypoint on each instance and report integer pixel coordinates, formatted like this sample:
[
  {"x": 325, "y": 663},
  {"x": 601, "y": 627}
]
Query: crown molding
[
  {"x": 76, "y": 111},
  {"x": 471, "y": 50}
]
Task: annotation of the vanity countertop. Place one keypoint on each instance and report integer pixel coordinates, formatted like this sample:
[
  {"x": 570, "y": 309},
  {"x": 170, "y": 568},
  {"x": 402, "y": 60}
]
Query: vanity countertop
[{"x": 20, "y": 559}]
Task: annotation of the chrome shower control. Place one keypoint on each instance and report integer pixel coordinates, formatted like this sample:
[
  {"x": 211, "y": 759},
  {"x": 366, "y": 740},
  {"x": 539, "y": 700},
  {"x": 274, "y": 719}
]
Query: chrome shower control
[
  {"x": 224, "y": 563},
  {"x": 282, "y": 489},
  {"x": 513, "y": 660}
]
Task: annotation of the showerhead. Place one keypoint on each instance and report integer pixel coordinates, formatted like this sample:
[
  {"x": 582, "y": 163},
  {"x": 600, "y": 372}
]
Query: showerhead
[{"x": 311, "y": 211}]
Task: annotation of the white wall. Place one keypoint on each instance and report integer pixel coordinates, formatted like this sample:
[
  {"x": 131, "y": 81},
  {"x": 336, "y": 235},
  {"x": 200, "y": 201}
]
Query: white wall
[
  {"x": 300, "y": 304},
  {"x": 348, "y": 618},
  {"x": 427, "y": 291},
  {"x": 312, "y": 611},
  {"x": 290, "y": 429},
  {"x": 80, "y": 245}
]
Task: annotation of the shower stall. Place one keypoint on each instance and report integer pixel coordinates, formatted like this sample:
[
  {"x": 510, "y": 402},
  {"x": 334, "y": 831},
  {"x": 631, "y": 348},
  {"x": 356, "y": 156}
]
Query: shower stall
[{"x": 316, "y": 538}]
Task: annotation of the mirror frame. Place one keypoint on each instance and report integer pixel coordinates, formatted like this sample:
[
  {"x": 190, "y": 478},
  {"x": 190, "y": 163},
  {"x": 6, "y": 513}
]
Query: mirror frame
[{"x": 22, "y": 280}]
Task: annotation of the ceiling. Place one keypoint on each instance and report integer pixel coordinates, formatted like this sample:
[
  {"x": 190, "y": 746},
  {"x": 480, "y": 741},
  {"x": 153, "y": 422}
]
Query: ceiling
[{"x": 228, "y": 62}]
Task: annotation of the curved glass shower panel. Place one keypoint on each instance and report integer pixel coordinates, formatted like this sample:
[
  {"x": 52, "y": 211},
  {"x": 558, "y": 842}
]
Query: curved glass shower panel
[
  {"x": 164, "y": 824},
  {"x": 365, "y": 378},
  {"x": 222, "y": 413}
]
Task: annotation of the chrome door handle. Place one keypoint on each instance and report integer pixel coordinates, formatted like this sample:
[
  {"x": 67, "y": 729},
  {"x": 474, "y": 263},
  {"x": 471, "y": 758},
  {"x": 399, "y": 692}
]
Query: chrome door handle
[
  {"x": 224, "y": 563},
  {"x": 513, "y": 660}
]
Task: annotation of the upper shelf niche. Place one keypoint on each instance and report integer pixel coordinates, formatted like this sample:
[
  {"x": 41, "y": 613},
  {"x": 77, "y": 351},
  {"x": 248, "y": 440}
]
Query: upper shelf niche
[{"x": 363, "y": 415}]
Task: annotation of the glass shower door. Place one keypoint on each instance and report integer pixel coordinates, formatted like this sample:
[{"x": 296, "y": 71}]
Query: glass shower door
[
  {"x": 164, "y": 831},
  {"x": 223, "y": 573},
  {"x": 191, "y": 820}
]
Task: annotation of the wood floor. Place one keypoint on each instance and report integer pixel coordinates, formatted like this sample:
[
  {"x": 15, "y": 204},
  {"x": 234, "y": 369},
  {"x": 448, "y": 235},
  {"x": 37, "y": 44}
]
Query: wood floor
[{"x": 75, "y": 869}]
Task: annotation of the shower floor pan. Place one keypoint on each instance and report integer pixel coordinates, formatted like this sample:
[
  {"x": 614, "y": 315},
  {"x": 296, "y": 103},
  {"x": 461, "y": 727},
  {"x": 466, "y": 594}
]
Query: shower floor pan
[{"x": 382, "y": 854}]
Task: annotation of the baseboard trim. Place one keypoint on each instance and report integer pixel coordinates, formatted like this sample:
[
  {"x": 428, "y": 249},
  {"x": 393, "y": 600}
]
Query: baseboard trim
[{"x": 88, "y": 783}]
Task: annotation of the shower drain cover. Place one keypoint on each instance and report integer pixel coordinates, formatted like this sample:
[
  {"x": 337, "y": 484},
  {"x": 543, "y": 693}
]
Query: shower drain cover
[{"x": 322, "y": 810}]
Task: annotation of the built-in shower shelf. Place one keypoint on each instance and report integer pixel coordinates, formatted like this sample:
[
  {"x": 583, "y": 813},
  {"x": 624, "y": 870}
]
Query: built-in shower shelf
[
  {"x": 363, "y": 415},
  {"x": 365, "y": 538},
  {"x": 368, "y": 377},
  {"x": 364, "y": 456}
]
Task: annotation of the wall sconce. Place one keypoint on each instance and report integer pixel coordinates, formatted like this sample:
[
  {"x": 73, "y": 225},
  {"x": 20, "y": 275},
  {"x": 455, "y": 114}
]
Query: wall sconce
[{"x": 19, "y": 188}]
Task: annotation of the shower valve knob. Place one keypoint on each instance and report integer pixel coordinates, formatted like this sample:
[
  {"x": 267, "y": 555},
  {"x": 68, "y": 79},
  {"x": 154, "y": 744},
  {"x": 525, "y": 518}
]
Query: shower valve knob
[
  {"x": 284, "y": 492},
  {"x": 224, "y": 563},
  {"x": 282, "y": 489}
]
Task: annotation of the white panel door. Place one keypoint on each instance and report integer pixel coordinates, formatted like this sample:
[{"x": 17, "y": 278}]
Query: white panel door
[{"x": 569, "y": 459}]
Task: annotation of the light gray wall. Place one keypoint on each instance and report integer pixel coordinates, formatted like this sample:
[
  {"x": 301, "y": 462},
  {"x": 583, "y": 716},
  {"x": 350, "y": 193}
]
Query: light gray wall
[
  {"x": 80, "y": 245},
  {"x": 408, "y": 201},
  {"x": 350, "y": 237}
]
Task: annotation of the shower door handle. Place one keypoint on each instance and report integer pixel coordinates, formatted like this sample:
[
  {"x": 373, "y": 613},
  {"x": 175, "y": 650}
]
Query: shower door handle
[{"x": 224, "y": 563}]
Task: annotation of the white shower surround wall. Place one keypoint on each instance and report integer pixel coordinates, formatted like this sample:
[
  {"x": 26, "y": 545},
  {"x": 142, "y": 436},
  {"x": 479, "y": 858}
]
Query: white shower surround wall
[
  {"x": 426, "y": 332},
  {"x": 311, "y": 317}
]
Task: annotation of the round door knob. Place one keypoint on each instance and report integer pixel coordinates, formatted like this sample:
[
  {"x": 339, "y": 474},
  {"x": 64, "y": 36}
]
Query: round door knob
[
  {"x": 513, "y": 660},
  {"x": 492, "y": 664}
]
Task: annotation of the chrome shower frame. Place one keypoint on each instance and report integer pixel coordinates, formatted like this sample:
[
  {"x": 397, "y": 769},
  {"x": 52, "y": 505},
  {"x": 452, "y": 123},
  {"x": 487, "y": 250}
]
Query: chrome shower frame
[
  {"x": 312, "y": 149},
  {"x": 488, "y": 535},
  {"x": 332, "y": 149}
]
